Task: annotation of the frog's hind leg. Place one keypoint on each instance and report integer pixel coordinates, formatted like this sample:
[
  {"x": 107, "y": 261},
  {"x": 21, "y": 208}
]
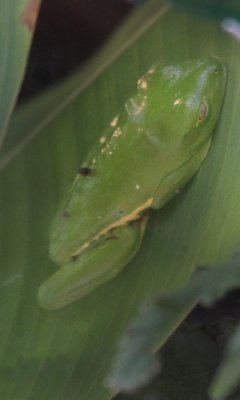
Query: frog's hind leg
[{"x": 93, "y": 267}]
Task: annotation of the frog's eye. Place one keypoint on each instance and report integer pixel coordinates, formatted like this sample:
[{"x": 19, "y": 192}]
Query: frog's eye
[{"x": 203, "y": 111}]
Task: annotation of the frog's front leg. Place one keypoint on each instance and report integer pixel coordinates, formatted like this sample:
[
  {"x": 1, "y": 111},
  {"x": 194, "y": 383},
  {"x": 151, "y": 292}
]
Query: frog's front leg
[
  {"x": 95, "y": 265},
  {"x": 177, "y": 178}
]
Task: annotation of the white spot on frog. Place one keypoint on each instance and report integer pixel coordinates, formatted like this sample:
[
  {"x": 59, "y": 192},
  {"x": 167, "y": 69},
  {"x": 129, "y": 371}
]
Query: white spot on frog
[
  {"x": 152, "y": 69},
  {"x": 135, "y": 108},
  {"x": 177, "y": 102},
  {"x": 102, "y": 139},
  {"x": 117, "y": 132},
  {"x": 114, "y": 122},
  {"x": 142, "y": 83}
]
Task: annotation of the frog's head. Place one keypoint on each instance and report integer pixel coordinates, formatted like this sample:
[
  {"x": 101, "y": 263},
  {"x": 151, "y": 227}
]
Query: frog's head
[
  {"x": 190, "y": 101},
  {"x": 201, "y": 107},
  {"x": 181, "y": 114}
]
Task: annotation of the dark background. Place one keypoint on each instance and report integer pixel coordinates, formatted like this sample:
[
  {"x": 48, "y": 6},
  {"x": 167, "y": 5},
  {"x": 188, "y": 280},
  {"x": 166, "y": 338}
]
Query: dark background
[{"x": 67, "y": 34}]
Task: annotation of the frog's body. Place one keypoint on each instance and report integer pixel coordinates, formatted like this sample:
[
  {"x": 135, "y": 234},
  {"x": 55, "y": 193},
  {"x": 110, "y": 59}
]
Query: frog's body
[{"x": 154, "y": 147}]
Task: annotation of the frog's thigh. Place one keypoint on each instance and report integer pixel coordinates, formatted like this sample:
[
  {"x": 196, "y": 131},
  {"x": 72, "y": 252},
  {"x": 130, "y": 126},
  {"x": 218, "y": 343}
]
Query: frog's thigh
[{"x": 95, "y": 266}]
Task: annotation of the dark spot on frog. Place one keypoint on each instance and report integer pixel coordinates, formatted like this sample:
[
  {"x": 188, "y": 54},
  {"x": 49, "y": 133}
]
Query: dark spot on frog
[
  {"x": 120, "y": 213},
  {"x": 73, "y": 258},
  {"x": 112, "y": 235},
  {"x": 178, "y": 190},
  {"x": 29, "y": 14},
  {"x": 144, "y": 213},
  {"x": 65, "y": 214},
  {"x": 84, "y": 171}
]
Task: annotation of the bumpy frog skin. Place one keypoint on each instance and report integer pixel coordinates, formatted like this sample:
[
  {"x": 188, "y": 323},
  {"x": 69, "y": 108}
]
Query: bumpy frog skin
[{"x": 149, "y": 151}]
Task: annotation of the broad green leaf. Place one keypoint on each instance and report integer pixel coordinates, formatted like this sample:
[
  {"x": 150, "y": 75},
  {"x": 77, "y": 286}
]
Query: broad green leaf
[
  {"x": 17, "y": 22},
  {"x": 66, "y": 354}
]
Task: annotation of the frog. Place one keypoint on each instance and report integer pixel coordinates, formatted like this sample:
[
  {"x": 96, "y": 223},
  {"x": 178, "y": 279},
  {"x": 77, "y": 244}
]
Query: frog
[{"x": 149, "y": 151}]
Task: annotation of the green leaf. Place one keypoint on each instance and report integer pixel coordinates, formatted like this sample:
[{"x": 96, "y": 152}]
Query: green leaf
[
  {"x": 136, "y": 361},
  {"x": 67, "y": 353},
  {"x": 17, "y": 22},
  {"x": 227, "y": 377},
  {"x": 211, "y": 8},
  {"x": 188, "y": 361}
]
